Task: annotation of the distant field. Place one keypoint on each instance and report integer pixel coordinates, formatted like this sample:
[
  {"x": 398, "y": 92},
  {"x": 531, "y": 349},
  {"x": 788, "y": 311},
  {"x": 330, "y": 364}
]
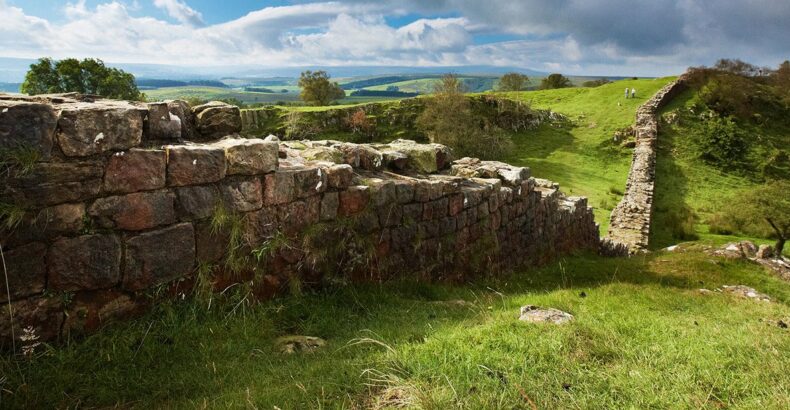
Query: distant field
[{"x": 247, "y": 97}]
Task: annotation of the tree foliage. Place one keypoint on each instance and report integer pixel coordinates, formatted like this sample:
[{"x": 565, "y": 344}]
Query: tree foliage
[
  {"x": 448, "y": 119},
  {"x": 317, "y": 89},
  {"x": 89, "y": 76},
  {"x": 513, "y": 82},
  {"x": 758, "y": 211},
  {"x": 722, "y": 142},
  {"x": 555, "y": 81},
  {"x": 596, "y": 83}
]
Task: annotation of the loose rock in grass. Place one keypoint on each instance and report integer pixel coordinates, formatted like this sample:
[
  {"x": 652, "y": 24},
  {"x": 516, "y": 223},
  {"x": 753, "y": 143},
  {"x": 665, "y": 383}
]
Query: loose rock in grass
[
  {"x": 745, "y": 292},
  {"x": 294, "y": 344},
  {"x": 536, "y": 314}
]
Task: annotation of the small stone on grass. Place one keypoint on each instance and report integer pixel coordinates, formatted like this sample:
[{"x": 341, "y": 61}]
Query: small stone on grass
[
  {"x": 301, "y": 344},
  {"x": 536, "y": 314}
]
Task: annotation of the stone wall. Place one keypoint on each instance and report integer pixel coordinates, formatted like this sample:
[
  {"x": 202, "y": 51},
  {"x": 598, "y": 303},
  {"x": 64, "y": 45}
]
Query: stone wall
[
  {"x": 629, "y": 227},
  {"x": 117, "y": 207}
]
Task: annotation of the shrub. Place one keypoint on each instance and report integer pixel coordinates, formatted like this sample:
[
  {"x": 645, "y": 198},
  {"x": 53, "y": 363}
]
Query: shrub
[
  {"x": 359, "y": 123},
  {"x": 513, "y": 82},
  {"x": 721, "y": 142},
  {"x": 555, "y": 81},
  {"x": 448, "y": 119}
]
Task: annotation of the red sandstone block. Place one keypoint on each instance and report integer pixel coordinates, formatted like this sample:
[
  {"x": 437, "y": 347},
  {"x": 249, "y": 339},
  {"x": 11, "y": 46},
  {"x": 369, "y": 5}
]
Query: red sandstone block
[
  {"x": 91, "y": 310},
  {"x": 456, "y": 204},
  {"x": 104, "y": 126},
  {"x": 242, "y": 195},
  {"x": 84, "y": 262},
  {"x": 329, "y": 204},
  {"x": 135, "y": 170},
  {"x": 194, "y": 164},
  {"x": 339, "y": 176},
  {"x": 353, "y": 200},
  {"x": 158, "y": 257},
  {"x": 135, "y": 212},
  {"x": 278, "y": 187},
  {"x": 27, "y": 270}
]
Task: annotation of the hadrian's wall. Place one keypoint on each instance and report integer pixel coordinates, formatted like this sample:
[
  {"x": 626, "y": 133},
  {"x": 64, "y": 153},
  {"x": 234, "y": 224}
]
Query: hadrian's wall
[
  {"x": 629, "y": 225},
  {"x": 118, "y": 206}
]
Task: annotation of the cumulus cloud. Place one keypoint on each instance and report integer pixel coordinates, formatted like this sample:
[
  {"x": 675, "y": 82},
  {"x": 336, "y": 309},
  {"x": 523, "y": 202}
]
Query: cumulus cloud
[
  {"x": 596, "y": 37},
  {"x": 178, "y": 10}
]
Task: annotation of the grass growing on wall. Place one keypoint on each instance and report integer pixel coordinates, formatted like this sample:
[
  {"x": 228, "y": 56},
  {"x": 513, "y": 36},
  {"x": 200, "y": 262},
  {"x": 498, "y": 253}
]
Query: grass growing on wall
[{"x": 644, "y": 337}]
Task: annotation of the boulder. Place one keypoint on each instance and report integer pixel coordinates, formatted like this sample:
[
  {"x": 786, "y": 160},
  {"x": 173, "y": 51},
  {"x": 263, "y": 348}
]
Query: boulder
[
  {"x": 159, "y": 256},
  {"x": 86, "y": 129},
  {"x": 765, "y": 252},
  {"x": 423, "y": 158},
  {"x": 745, "y": 292},
  {"x": 27, "y": 125},
  {"x": 536, "y": 314},
  {"x": 216, "y": 119},
  {"x": 84, "y": 262},
  {"x": 301, "y": 344}
]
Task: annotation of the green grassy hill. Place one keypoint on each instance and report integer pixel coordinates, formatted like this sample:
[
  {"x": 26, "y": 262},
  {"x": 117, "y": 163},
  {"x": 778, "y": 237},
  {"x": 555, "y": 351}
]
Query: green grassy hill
[{"x": 582, "y": 156}]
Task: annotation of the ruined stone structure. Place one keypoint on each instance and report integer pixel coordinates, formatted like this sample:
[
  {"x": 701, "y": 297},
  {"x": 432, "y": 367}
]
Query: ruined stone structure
[
  {"x": 629, "y": 227},
  {"x": 117, "y": 205}
]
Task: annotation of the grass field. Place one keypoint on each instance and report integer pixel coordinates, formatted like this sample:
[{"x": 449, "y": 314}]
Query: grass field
[
  {"x": 582, "y": 158},
  {"x": 643, "y": 337}
]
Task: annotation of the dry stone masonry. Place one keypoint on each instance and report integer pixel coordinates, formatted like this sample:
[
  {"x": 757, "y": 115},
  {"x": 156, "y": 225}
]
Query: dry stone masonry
[
  {"x": 629, "y": 227},
  {"x": 120, "y": 203}
]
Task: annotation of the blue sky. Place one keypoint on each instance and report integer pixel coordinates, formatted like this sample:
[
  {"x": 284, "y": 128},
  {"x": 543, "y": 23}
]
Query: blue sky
[{"x": 594, "y": 37}]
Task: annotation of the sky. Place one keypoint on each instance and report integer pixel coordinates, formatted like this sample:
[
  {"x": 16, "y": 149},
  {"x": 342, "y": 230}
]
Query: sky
[{"x": 578, "y": 37}]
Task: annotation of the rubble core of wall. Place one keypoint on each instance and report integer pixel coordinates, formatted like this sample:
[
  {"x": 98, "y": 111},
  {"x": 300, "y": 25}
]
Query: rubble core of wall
[
  {"x": 119, "y": 205},
  {"x": 629, "y": 226}
]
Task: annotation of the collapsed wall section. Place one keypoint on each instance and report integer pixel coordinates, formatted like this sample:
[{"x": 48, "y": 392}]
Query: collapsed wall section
[
  {"x": 117, "y": 207},
  {"x": 629, "y": 226}
]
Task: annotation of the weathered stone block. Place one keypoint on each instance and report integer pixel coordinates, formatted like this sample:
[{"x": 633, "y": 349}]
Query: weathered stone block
[
  {"x": 27, "y": 270},
  {"x": 197, "y": 202},
  {"x": 456, "y": 204},
  {"x": 404, "y": 191},
  {"x": 353, "y": 200},
  {"x": 249, "y": 156},
  {"x": 160, "y": 124},
  {"x": 210, "y": 244},
  {"x": 56, "y": 183},
  {"x": 309, "y": 182},
  {"x": 91, "y": 310},
  {"x": 279, "y": 187},
  {"x": 183, "y": 111},
  {"x": 242, "y": 195},
  {"x": 43, "y": 314},
  {"x": 361, "y": 156},
  {"x": 260, "y": 225},
  {"x": 89, "y": 129},
  {"x": 134, "y": 212},
  {"x": 135, "y": 170},
  {"x": 158, "y": 257},
  {"x": 423, "y": 158},
  {"x": 25, "y": 124},
  {"x": 194, "y": 164},
  {"x": 84, "y": 262},
  {"x": 217, "y": 119},
  {"x": 329, "y": 204},
  {"x": 339, "y": 176}
]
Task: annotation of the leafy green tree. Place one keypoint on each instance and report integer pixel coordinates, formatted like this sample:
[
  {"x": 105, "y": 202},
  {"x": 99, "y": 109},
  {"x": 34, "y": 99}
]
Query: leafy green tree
[
  {"x": 513, "y": 82},
  {"x": 317, "y": 89},
  {"x": 448, "y": 119},
  {"x": 722, "y": 142},
  {"x": 89, "y": 76},
  {"x": 767, "y": 205},
  {"x": 555, "y": 81},
  {"x": 596, "y": 83}
]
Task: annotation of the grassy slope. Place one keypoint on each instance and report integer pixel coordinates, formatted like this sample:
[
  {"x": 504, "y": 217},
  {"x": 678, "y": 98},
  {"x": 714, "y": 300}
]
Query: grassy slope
[
  {"x": 643, "y": 338},
  {"x": 583, "y": 159}
]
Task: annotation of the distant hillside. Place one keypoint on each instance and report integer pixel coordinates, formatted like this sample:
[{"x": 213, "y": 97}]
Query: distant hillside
[{"x": 152, "y": 83}]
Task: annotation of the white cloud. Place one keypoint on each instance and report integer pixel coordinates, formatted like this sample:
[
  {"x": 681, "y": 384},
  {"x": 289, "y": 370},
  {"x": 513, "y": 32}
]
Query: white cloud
[{"x": 180, "y": 11}]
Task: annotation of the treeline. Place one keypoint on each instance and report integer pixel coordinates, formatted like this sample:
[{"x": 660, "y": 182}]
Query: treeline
[
  {"x": 382, "y": 93},
  {"x": 372, "y": 82},
  {"x": 264, "y": 90},
  {"x": 148, "y": 83}
]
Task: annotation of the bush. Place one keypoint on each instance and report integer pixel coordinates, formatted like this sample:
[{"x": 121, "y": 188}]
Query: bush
[
  {"x": 721, "y": 142},
  {"x": 555, "y": 81},
  {"x": 448, "y": 119}
]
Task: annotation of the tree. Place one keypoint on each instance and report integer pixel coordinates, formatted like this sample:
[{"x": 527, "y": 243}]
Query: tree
[
  {"x": 89, "y": 76},
  {"x": 769, "y": 204},
  {"x": 721, "y": 142},
  {"x": 555, "y": 81},
  {"x": 513, "y": 82},
  {"x": 596, "y": 83},
  {"x": 317, "y": 89},
  {"x": 448, "y": 119}
]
